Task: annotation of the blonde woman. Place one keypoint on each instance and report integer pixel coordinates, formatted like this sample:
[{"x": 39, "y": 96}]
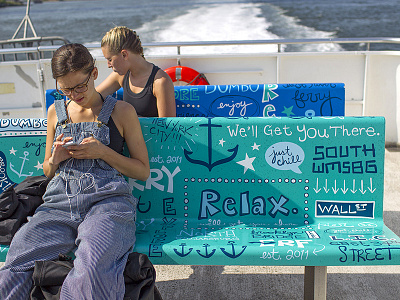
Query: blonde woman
[{"x": 147, "y": 87}]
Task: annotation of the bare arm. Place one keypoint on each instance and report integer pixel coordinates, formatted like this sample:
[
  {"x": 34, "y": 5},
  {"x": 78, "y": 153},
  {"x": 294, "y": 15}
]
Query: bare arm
[
  {"x": 110, "y": 85},
  {"x": 163, "y": 89},
  {"x": 59, "y": 154}
]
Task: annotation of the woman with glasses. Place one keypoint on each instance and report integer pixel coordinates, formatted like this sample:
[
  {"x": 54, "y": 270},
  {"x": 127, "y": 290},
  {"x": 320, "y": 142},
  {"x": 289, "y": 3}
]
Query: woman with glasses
[
  {"x": 148, "y": 88},
  {"x": 88, "y": 205}
]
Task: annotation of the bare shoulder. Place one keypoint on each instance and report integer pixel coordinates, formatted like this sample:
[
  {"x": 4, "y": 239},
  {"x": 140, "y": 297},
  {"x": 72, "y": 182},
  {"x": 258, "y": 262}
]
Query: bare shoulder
[
  {"x": 123, "y": 109},
  {"x": 51, "y": 116},
  {"x": 162, "y": 81},
  {"x": 51, "y": 110},
  {"x": 162, "y": 75}
]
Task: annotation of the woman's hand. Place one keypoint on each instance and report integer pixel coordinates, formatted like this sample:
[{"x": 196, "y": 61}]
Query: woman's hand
[
  {"x": 89, "y": 148},
  {"x": 60, "y": 153}
]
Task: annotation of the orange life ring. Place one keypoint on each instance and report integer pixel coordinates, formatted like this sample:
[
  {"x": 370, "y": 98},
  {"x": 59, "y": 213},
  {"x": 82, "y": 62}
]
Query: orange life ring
[{"x": 186, "y": 74}]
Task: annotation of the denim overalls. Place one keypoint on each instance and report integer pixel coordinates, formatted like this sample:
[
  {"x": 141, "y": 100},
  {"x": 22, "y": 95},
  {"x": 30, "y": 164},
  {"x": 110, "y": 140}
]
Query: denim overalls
[{"x": 88, "y": 206}]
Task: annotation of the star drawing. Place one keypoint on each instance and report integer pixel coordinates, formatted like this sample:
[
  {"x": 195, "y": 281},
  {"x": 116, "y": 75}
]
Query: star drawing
[
  {"x": 247, "y": 163},
  {"x": 255, "y": 146},
  {"x": 39, "y": 166},
  {"x": 221, "y": 142},
  {"x": 12, "y": 151},
  {"x": 288, "y": 111}
]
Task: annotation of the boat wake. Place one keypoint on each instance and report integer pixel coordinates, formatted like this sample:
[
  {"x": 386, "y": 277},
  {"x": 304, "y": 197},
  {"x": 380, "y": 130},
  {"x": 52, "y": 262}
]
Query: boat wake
[{"x": 230, "y": 22}]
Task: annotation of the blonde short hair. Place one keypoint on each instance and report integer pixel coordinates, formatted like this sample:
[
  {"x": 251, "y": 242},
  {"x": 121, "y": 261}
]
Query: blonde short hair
[{"x": 122, "y": 38}]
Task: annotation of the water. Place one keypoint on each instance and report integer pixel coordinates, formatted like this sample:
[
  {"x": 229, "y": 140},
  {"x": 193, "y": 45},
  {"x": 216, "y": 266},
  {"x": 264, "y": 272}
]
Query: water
[{"x": 210, "y": 20}]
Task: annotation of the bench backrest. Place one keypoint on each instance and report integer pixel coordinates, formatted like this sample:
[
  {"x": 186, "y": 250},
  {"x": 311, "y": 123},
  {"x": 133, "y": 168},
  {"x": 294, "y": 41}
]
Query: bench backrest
[
  {"x": 335, "y": 159},
  {"x": 266, "y": 171},
  {"x": 321, "y": 161},
  {"x": 253, "y": 100}
]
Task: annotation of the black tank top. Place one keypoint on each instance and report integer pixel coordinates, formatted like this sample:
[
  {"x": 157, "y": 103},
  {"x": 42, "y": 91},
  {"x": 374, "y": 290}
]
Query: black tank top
[
  {"x": 144, "y": 102},
  {"x": 116, "y": 139}
]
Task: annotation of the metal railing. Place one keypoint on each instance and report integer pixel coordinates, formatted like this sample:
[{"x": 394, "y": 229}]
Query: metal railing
[
  {"x": 32, "y": 47},
  {"x": 39, "y": 50},
  {"x": 280, "y": 42}
]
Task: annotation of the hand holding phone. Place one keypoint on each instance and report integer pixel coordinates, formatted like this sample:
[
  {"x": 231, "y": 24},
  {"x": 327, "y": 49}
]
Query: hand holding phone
[{"x": 69, "y": 143}]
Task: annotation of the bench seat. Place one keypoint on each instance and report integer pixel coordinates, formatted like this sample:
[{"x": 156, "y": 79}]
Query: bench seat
[{"x": 247, "y": 245}]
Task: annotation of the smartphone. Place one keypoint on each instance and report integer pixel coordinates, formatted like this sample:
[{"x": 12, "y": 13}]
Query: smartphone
[{"x": 70, "y": 143}]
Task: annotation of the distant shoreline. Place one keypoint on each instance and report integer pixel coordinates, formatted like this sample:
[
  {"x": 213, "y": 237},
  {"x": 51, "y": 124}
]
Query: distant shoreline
[
  {"x": 10, "y": 3},
  {"x": 5, "y": 3}
]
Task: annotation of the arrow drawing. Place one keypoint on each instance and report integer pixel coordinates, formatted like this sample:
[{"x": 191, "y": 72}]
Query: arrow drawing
[
  {"x": 344, "y": 190},
  {"x": 316, "y": 189},
  {"x": 370, "y": 188},
  {"x": 334, "y": 189},
  {"x": 354, "y": 187},
  {"x": 362, "y": 187},
  {"x": 315, "y": 250},
  {"x": 326, "y": 186}
]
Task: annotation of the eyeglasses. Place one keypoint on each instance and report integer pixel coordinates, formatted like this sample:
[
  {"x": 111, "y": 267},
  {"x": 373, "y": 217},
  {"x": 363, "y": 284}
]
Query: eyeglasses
[{"x": 80, "y": 88}]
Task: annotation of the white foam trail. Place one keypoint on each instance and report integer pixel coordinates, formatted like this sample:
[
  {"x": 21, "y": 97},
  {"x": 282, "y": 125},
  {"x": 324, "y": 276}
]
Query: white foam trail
[{"x": 219, "y": 22}]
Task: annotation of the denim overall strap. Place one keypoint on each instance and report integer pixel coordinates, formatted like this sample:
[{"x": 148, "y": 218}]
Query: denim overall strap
[
  {"x": 61, "y": 111},
  {"x": 107, "y": 109}
]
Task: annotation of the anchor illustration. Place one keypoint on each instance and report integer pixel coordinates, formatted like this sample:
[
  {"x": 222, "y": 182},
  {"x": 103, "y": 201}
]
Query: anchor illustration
[
  {"x": 211, "y": 164},
  {"x": 207, "y": 255},
  {"x": 233, "y": 255},
  {"x": 26, "y": 153},
  {"x": 183, "y": 254},
  {"x": 5, "y": 181}
]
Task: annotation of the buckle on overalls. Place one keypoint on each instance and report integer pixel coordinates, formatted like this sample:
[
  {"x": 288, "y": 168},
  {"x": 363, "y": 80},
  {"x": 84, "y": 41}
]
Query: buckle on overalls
[{"x": 64, "y": 124}]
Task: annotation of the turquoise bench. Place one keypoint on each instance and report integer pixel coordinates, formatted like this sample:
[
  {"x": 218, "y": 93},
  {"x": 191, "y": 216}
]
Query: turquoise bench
[
  {"x": 253, "y": 100},
  {"x": 248, "y": 191}
]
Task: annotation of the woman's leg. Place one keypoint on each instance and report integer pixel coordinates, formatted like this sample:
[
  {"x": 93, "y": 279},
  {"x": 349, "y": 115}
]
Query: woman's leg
[
  {"x": 105, "y": 238},
  {"x": 45, "y": 236}
]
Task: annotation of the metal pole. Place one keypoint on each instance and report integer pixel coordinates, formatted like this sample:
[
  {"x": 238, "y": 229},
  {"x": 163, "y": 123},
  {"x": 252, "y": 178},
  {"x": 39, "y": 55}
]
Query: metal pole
[
  {"x": 25, "y": 21},
  {"x": 28, "y": 4}
]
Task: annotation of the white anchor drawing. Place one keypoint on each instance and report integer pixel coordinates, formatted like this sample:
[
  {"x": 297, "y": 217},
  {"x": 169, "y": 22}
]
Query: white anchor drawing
[{"x": 26, "y": 153}]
